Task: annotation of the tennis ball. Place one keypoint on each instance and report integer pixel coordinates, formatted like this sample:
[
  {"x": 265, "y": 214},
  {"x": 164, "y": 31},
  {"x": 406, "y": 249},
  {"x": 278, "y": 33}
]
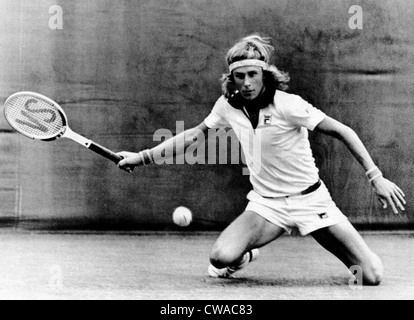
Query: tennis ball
[{"x": 182, "y": 216}]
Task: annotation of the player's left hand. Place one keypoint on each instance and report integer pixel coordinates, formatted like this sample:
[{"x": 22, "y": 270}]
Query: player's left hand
[{"x": 389, "y": 193}]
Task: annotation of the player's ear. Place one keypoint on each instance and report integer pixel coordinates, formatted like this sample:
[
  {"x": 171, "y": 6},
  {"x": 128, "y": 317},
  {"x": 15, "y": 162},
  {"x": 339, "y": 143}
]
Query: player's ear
[
  {"x": 230, "y": 79},
  {"x": 228, "y": 84}
]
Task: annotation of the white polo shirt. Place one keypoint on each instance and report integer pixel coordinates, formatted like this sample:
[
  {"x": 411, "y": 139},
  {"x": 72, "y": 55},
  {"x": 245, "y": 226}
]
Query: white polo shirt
[{"x": 277, "y": 152}]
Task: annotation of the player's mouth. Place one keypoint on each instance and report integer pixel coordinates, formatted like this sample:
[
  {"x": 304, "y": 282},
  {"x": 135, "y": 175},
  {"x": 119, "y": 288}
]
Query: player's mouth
[{"x": 249, "y": 94}]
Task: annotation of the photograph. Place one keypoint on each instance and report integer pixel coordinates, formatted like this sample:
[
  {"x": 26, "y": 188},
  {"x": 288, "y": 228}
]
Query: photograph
[{"x": 206, "y": 158}]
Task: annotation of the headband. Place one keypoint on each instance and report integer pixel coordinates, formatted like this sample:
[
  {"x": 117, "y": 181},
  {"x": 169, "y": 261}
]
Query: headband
[{"x": 248, "y": 63}]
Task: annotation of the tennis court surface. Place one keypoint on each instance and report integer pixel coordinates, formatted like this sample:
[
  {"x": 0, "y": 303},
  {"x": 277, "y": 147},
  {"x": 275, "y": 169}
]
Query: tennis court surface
[{"x": 172, "y": 266}]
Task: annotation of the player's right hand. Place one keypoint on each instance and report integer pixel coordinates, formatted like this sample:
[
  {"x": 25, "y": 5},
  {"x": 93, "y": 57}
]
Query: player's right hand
[{"x": 130, "y": 161}]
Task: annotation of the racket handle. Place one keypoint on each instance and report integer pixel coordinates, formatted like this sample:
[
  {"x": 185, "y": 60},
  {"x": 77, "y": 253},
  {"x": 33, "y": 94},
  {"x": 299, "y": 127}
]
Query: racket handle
[{"x": 105, "y": 152}]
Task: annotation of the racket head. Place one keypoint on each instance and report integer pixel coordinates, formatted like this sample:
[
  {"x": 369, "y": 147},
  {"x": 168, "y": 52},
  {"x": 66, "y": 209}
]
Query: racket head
[{"x": 35, "y": 116}]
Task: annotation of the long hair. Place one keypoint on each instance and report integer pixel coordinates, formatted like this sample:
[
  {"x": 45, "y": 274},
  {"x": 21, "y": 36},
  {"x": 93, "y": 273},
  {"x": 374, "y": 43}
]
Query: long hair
[{"x": 254, "y": 47}]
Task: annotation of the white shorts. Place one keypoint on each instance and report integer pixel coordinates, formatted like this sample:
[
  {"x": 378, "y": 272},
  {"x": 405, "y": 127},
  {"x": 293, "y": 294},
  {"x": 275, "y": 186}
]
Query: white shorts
[{"x": 308, "y": 212}]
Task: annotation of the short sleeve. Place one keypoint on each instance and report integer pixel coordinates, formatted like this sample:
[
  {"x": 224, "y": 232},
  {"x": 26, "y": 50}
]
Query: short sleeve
[
  {"x": 301, "y": 113},
  {"x": 217, "y": 117}
]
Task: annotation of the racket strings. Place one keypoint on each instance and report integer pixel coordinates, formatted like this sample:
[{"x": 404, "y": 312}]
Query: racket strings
[{"x": 34, "y": 117}]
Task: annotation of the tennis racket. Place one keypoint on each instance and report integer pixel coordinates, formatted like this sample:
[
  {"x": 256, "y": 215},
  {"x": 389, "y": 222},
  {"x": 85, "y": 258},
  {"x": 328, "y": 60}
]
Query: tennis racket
[{"x": 38, "y": 117}]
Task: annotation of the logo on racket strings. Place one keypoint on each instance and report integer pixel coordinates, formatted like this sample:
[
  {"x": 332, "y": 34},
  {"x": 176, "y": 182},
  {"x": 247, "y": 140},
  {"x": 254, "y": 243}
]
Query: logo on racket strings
[{"x": 32, "y": 121}]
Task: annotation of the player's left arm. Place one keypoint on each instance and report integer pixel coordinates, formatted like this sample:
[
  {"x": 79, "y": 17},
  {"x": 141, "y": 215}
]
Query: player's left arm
[{"x": 387, "y": 191}]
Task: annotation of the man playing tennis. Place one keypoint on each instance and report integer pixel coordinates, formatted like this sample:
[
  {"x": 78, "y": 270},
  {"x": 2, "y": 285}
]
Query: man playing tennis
[{"x": 287, "y": 191}]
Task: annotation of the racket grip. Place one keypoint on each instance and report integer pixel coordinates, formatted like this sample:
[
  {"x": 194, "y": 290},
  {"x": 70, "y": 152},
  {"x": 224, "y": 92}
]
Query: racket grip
[{"x": 105, "y": 152}]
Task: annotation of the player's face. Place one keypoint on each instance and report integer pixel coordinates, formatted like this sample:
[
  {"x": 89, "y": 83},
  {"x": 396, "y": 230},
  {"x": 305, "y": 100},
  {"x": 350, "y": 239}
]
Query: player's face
[{"x": 249, "y": 81}]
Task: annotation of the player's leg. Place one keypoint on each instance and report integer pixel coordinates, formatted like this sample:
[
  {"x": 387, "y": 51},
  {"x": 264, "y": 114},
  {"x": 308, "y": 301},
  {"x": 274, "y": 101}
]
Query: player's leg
[
  {"x": 347, "y": 244},
  {"x": 249, "y": 231}
]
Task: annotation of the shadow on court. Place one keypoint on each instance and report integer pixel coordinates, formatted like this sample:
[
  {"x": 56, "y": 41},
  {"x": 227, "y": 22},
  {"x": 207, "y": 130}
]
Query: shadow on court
[{"x": 159, "y": 266}]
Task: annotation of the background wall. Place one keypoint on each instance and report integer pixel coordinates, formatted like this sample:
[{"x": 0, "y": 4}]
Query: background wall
[{"x": 124, "y": 69}]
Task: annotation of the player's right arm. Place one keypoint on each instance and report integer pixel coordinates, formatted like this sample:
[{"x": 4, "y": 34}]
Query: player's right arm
[{"x": 179, "y": 142}]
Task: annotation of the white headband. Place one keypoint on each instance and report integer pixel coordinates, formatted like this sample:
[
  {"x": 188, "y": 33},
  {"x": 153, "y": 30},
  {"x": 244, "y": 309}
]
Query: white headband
[{"x": 249, "y": 63}]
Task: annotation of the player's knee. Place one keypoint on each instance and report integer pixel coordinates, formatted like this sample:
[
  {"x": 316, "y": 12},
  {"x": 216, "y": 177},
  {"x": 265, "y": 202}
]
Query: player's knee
[
  {"x": 374, "y": 273},
  {"x": 373, "y": 278},
  {"x": 222, "y": 257}
]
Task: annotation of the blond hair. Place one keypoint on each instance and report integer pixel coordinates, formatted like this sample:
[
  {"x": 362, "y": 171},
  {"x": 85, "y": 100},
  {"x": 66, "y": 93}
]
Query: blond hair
[{"x": 254, "y": 47}]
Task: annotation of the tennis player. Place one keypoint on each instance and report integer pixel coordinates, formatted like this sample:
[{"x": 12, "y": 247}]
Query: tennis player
[{"x": 287, "y": 191}]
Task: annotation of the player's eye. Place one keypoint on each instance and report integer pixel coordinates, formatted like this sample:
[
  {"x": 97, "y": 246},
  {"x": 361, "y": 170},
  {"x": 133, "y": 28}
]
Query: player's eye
[{"x": 239, "y": 76}]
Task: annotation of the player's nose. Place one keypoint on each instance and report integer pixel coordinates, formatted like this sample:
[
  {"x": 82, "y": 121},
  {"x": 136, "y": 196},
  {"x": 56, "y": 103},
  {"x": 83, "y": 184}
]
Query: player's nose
[{"x": 247, "y": 84}]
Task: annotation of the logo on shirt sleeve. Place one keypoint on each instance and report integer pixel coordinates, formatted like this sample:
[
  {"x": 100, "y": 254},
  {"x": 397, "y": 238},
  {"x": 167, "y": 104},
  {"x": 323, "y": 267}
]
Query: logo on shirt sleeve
[
  {"x": 323, "y": 215},
  {"x": 267, "y": 119}
]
